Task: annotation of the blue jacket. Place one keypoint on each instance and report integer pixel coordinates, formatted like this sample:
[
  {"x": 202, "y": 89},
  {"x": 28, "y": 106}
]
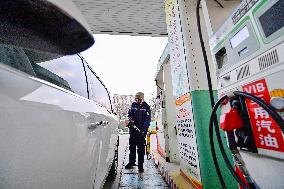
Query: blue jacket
[{"x": 141, "y": 115}]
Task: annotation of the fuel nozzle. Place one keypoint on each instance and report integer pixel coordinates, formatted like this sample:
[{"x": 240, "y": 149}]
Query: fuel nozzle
[
  {"x": 236, "y": 123},
  {"x": 232, "y": 119}
]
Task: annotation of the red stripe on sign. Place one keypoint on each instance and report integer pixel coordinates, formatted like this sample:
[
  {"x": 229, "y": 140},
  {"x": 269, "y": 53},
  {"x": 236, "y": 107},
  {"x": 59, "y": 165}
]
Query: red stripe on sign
[{"x": 267, "y": 134}]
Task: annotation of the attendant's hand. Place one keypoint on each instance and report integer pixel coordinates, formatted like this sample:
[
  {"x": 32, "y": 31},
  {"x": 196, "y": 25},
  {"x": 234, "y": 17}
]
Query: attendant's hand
[{"x": 129, "y": 123}]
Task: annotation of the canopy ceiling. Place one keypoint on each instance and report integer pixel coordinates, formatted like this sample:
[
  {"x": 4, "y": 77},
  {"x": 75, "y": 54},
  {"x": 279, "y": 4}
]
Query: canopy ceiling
[{"x": 130, "y": 17}]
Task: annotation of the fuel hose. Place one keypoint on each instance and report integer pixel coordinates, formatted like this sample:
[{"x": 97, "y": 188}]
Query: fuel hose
[
  {"x": 210, "y": 90},
  {"x": 270, "y": 110},
  {"x": 220, "y": 143}
]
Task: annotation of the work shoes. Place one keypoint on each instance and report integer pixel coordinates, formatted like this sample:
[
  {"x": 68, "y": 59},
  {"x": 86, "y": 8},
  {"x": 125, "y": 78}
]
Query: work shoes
[
  {"x": 129, "y": 166},
  {"x": 140, "y": 169}
]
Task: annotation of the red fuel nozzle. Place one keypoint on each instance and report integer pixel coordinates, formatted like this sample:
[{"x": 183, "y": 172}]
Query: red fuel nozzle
[{"x": 231, "y": 120}]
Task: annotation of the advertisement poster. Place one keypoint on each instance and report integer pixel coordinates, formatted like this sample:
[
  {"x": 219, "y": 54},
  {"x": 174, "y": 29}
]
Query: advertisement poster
[
  {"x": 189, "y": 163},
  {"x": 176, "y": 49},
  {"x": 187, "y": 141}
]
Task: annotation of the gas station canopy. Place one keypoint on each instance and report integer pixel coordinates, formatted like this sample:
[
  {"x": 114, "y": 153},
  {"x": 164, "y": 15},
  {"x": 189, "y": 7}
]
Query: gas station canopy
[{"x": 129, "y": 17}]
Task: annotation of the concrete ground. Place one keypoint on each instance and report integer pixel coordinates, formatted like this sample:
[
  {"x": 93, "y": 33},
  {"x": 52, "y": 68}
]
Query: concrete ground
[
  {"x": 171, "y": 172},
  {"x": 151, "y": 177}
]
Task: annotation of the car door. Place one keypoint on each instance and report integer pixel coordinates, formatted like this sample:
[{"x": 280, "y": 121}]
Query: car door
[
  {"x": 108, "y": 128},
  {"x": 109, "y": 139},
  {"x": 45, "y": 116}
]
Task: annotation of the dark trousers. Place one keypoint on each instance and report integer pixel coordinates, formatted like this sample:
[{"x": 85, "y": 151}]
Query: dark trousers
[{"x": 136, "y": 140}]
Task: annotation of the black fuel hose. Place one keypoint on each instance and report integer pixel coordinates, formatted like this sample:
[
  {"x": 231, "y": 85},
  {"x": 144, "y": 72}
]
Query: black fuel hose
[
  {"x": 214, "y": 156},
  {"x": 213, "y": 118},
  {"x": 220, "y": 143},
  {"x": 270, "y": 110},
  {"x": 210, "y": 88}
]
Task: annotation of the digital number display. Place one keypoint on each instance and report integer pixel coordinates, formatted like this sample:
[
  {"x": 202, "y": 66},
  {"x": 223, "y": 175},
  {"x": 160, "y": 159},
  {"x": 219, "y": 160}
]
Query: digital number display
[{"x": 242, "y": 35}]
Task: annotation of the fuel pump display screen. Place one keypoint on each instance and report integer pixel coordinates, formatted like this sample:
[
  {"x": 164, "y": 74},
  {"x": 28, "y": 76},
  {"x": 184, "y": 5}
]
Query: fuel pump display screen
[
  {"x": 242, "y": 35},
  {"x": 273, "y": 19}
]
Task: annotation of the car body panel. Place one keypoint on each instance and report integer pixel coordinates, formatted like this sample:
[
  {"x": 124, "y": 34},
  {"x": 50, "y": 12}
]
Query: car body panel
[{"x": 44, "y": 137}]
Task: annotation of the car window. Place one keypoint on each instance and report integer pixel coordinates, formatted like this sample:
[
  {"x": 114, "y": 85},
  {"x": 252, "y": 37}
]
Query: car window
[
  {"x": 16, "y": 58},
  {"x": 66, "y": 72},
  {"x": 98, "y": 91}
]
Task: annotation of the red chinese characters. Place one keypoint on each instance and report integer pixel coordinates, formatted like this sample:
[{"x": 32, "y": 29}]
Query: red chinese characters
[
  {"x": 267, "y": 133},
  {"x": 182, "y": 113}
]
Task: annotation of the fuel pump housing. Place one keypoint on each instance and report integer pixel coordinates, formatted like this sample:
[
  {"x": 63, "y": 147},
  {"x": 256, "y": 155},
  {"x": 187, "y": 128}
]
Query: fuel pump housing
[{"x": 248, "y": 51}]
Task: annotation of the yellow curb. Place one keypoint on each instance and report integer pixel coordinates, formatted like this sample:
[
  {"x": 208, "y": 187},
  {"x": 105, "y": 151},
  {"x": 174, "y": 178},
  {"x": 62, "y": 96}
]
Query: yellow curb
[{"x": 179, "y": 180}]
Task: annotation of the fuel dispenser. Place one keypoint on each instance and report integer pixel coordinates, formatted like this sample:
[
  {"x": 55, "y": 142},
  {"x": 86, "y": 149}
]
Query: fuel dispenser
[{"x": 248, "y": 51}]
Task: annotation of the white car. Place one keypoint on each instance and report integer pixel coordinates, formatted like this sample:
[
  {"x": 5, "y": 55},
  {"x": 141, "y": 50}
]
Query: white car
[{"x": 57, "y": 127}]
